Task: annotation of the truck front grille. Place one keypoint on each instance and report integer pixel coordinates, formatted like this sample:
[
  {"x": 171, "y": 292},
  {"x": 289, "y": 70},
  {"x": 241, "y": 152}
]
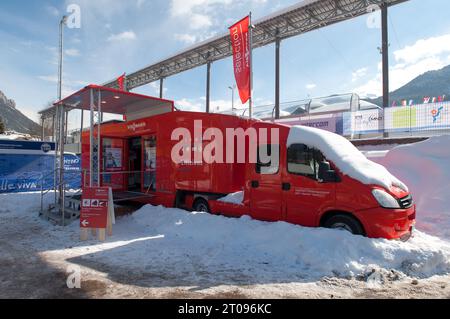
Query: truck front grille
[{"x": 406, "y": 202}]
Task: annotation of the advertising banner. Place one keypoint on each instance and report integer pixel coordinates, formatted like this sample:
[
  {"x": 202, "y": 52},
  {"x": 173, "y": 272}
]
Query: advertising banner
[
  {"x": 113, "y": 158},
  {"x": 327, "y": 122},
  {"x": 240, "y": 41},
  {"x": 26, "y": 166},
  {"x": 423, "y": 117},
  {"x": 363, "y": 122},
  {"x": 432, "y": 117}
]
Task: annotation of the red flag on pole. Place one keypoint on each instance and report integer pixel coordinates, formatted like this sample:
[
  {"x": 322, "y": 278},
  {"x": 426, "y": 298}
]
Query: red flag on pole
[
  {"x": 240, "y": 40},
  {"x": 121, "y": 81}
]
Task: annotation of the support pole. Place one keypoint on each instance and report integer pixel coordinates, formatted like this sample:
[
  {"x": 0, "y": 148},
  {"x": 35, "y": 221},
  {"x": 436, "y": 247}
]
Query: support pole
[
  {"x": 81, "y": 125},
  {"x": 61, "y": 163},
  {"x": 61, "y": 119},
  {"x": 91, "y": 140},
  {"x": 67, "y": 126},
  {"x": 43, "y": 128},
  {"x": 250, "y": 102},
  {"x": 277, "y": 78},
  {"x": 385, "y": 53},
  {"x": 53, "y": 128},
  {"x": 161, "y": 88},
  {"x": 100, "y": 118},
  {"x": 208, "y": 87},
  {"x": 81, "y": 130}
]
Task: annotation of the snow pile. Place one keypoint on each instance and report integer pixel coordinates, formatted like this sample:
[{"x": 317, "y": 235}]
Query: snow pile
[
  {"x": 234, "y": 198},
  {"x": 345, "y": 156},
  {"x": 425, "y": 168},
  {"x": 12, "y": 135},
  {"x": 275, "y": 249},
  {"x": 203, "y": 248}
]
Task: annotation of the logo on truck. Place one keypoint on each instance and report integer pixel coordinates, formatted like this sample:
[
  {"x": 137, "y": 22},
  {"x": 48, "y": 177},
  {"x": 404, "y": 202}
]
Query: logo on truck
[{"x": 136, "y": 126}]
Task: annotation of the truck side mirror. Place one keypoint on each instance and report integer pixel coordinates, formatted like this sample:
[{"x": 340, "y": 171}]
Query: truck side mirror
[{"x": 326, "y": 174}]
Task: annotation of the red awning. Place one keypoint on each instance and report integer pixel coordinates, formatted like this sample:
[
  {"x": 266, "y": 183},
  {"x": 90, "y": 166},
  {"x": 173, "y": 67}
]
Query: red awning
[{"x": 114, "y": 101}]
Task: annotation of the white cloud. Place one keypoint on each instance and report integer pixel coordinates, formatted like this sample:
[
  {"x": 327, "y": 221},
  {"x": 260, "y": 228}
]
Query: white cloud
[
  {"x": 186, "y": 38},
  {"x": 49, "y": 78},
  {"x": 124, "y": 36},
  {"x": 52, "y": 10},
  {"x": 424, "y": 55},
  {"x": 155, "y": 87},
  {"x": 189, "y": 105},
  {"x": 197, "y": 13},
  {"x": 424, "y": 49},
  {"x": 72, "y": 52},
  {"x": 199, "y": 105},
  {"x": 200, "y": 21},
  {"x": 311, "y": 86},
  {"x": 359, "y": 74}
]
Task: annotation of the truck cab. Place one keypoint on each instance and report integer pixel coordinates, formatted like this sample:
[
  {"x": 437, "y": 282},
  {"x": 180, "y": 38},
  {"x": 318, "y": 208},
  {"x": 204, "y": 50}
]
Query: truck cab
[{"x": 321, "y": 180}]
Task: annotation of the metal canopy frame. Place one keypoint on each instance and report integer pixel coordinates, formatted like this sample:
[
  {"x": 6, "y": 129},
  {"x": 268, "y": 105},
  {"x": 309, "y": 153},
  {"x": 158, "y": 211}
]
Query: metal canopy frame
[
  {"x": 97, "y": 100},
  {"x": 113, "y": 101},
  {"x": 301, "y": 18}
]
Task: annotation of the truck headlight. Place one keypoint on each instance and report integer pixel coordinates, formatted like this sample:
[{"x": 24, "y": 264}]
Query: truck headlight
[{"x": 385, "y": 200}]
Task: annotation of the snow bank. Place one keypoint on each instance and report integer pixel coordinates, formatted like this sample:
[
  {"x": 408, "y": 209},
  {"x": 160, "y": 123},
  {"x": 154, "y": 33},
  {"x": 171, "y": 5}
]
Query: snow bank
[
  {"x": 425, "y": 168},
  {"x": 280, "y": 249},
  {"x": 234, "y": 198},
  {"x": 12, "y": 135},
  {"x": 199, "y": 247},
  {"x": 345, "y": 156}
]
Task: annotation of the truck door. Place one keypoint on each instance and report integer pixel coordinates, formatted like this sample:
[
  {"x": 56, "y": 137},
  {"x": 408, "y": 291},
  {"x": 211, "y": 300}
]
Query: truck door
[
  {"x": 303, "y": 193},
  {"x": 265, "y": 185}
]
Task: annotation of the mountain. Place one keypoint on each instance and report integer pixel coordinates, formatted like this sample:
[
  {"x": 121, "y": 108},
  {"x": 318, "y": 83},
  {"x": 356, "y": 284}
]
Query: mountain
[
  {"x": 15, "y": 120},
  {"x": 432, "y": 84}
]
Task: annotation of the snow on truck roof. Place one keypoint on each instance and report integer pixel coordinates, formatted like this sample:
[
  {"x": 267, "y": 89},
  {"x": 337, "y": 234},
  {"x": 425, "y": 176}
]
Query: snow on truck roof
[{"x": 345, "y": 156}]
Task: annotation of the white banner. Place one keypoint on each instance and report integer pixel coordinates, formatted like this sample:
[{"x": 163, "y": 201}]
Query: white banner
[{"x": 363, "y": 122}]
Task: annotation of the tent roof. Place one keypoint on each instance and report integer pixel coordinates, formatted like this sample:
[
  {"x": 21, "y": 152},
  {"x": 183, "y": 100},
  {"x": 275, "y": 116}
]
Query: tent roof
[{"x": 112, "y": 101}]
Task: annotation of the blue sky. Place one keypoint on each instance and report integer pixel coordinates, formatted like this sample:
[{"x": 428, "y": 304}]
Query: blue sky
[{"x": 122, "y": 36}]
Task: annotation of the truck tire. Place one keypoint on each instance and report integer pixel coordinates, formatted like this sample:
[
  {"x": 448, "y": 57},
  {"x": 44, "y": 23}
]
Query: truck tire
[
  {"x": 345, "y": 222},
  {"x": 201, "y": 205}
]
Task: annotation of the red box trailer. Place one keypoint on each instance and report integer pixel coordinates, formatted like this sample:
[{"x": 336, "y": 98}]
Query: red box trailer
[{"x": 318, "y": 179}]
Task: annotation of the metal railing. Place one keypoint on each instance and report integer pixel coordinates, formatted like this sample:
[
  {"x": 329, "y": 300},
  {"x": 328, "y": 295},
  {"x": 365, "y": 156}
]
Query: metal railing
[{"x": 56, "y": 185}]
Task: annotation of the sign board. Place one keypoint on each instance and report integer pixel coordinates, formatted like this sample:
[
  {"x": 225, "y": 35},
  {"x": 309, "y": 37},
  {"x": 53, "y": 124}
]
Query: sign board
[
  {"x": 327, "y": 122},
  {"x": 94, "y": 207},
  {"x": 433, "y": 116},
  {"x": 363, "y": 122}
]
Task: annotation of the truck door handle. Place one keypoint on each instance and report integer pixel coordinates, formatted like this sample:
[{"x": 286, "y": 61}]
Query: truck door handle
[
  {"x": 255, "y": 184},
  {"x": 286, "y": 186}
]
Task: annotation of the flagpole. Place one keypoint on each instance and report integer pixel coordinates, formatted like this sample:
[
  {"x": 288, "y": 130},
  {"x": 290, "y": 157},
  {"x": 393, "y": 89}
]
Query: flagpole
[{"x": 250, "y": 103}]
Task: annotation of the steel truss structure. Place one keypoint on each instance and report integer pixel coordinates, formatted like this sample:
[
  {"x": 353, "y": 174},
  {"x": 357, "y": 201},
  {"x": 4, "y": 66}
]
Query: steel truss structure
[{"x": 304, "y": 17}]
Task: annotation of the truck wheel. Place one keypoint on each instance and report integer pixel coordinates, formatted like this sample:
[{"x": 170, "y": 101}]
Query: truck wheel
[
  {"x": 201, "y": 205},
  {"x": 345, "y": 222}
]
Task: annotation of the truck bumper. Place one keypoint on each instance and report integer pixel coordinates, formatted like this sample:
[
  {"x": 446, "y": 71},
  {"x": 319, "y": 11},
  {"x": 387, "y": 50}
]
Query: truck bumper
[{"x": 388, "y": 223}]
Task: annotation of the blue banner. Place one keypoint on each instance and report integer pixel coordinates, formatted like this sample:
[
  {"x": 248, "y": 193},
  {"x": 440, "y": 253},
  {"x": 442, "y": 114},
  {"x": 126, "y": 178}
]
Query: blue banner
[{"x": 25, "y": 166}]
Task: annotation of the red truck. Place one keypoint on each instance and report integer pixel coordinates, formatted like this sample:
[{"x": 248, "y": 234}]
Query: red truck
[{"x": 318, "y": 179}]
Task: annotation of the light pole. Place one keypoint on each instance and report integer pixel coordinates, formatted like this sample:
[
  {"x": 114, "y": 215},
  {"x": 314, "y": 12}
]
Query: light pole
[
  {"x": 232, "y": 88},
  {"x": 60, "y": 115}
]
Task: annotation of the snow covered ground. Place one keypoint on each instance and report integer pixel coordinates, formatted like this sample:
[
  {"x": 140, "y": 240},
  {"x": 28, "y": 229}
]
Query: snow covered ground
[
  {"x": 425, "y": 168},
  {"x": 159, "y": 248},
  {"x": 12, "y": 135}
]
